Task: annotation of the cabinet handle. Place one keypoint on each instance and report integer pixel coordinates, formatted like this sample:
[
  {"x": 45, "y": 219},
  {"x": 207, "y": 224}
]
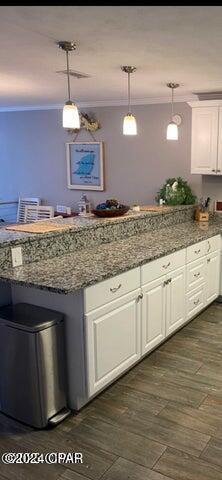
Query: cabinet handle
[
  {"x": 197, "y": 251},
  {"x": 196, "y": 302},
  {"x": 169, "y": 280},
  {"x": 208, "y": 260},
  {"x": 218, "y": 170},
  {"x": 166, "y": 266},
  {"x": 196, "y": 275},
  {"x": 114, "y": 289},
  {"x": 209, "y": 246},
  {"x": 140, "y": 296},
  {"x": 213, "y": 170}
]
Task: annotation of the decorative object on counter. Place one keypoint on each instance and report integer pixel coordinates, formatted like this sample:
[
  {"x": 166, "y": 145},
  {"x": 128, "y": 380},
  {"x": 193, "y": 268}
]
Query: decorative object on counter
[
  {"x": 70, "y": 111},
  {"x": 201, "y": 212},
  {"x": 84, "y": 206},
  {"x": 218, "y": 206},
  {"x": 136, "y": 208},
  {"x": 65, "y": 212},
  {"x": 85, "y": 165},
  {"x": 63, "y": 209},
  {"x": 176, "y": 191},
  {"x": 129, "y": 121},
  {"x": 161, "y": 202},
  {"x": 172, "y": 129},
  {"x": 111, "y": 208}
]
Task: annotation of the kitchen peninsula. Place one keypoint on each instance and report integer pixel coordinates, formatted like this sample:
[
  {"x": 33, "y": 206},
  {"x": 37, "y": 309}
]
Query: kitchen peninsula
[{"x": 124, "y": 286}]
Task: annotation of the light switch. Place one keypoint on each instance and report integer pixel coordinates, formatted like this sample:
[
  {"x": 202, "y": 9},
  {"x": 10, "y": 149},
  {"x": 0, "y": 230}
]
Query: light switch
[{"x": 16, "y": 256}]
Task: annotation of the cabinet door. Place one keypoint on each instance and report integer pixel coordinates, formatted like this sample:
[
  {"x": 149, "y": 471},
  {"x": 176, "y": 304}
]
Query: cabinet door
[
  {"x": 212, "y": 276},
  {"x": 153, "y": 313},
  {"x": 175, "y": 301},
  {"x": 204, "y": 140},
  {"x": 113, "y": 339},
  {"x": 219, "y": 162}
]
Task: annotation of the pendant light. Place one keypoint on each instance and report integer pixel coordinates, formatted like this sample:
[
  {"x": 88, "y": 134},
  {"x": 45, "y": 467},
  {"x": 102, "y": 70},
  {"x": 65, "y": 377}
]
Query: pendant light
[
  {"x": 129, "y": 121},
  {"x": 172, "y": 129},
  {"x": 70, "y": 111}
]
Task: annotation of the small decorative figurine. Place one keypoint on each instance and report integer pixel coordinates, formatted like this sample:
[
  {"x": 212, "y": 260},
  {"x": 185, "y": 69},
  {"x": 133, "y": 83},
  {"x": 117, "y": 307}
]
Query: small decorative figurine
[{"x": 84, "y": 206}]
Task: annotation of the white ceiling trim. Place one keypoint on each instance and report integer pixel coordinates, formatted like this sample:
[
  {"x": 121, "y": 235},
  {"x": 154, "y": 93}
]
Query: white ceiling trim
[{"x": 102, "y": 103}]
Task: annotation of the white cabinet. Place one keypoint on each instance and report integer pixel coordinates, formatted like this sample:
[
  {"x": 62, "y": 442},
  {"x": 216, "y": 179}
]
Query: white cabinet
[
  {"x": 212, "y": 276},
  {"x": 113, "y": 339},
  {"x": 175, "y": 304},
  {"x": 206, "y": 148},
  {"x": 163, "y": 308},
  {"x": 153, "y": 313},
  {"x": 205, "y": 121},
  {"x": 120, "y": 328}
]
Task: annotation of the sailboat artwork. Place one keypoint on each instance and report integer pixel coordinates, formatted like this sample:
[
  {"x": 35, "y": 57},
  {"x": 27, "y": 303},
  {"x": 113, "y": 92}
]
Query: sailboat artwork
[{"x": 85, "y": 165}]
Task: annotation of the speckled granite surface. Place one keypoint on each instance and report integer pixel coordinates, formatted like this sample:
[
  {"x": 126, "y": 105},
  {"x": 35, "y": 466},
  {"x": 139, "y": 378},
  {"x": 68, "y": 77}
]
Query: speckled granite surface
[
  {"x": 77, "y": 270},
  {"x": 86, "y": 233}
]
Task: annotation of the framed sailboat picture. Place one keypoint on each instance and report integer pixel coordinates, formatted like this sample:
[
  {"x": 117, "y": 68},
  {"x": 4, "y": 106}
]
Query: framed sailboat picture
[{"x": 85, "y": 165}]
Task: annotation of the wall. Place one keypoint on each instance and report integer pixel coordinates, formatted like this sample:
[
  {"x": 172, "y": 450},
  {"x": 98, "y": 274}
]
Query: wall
[
  {"x": 32, "y": 155},
  {"x": 212, "y": 187}
]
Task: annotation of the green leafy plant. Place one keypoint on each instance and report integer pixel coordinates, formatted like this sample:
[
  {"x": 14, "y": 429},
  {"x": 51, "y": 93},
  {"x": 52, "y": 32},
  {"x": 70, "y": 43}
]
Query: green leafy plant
[{"x": 176, "y": 191}]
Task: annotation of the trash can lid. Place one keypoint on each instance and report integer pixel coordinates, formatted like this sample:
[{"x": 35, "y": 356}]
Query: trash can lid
[{"x": 25, "y": 316}]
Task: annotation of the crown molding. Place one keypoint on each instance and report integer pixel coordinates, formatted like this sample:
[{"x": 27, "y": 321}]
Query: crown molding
[
  {"x": 205, "y": 103},
  {"x": 101, "y": 103}
]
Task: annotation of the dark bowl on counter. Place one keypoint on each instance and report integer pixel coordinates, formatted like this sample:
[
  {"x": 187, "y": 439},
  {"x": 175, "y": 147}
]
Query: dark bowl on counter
[{"x": 115, "y": 212}]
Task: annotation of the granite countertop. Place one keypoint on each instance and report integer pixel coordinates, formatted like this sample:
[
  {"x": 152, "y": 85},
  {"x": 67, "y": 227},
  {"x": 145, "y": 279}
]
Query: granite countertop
[
  {"x": 11, "y": 238},
  {"x": 77, "y": 270}
]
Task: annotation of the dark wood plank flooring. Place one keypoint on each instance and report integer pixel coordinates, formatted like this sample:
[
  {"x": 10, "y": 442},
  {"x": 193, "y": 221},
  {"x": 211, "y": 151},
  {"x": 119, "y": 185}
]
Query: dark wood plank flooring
[{"x": 161, "y": 421}]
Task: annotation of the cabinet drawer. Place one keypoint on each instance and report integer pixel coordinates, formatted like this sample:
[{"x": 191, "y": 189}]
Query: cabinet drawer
[
  {"x": 213, "y": 244},
  {"x": 196, "y": 273},
  {"x": 161, "y": 266},
  {"x": 111, "y": 289},
  {"x": 195, "y": 301},
  {"x": 196, "y": 251}
]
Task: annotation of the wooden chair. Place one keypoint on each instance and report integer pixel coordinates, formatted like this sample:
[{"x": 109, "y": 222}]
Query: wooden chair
[
  {"x": 41, "y": 212},
  {"x": 22, "y": 203}
]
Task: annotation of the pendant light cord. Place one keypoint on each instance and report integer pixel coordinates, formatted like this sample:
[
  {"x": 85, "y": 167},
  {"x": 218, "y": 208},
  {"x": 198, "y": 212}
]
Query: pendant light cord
[
  {"x": 129, "y": 102},
  {"x": 68, "y": 78},
  {"x": 172, "y": 103}
]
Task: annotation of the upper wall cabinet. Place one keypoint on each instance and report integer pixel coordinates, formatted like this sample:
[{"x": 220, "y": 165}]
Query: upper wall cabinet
[{"x": 206, "y": 149}]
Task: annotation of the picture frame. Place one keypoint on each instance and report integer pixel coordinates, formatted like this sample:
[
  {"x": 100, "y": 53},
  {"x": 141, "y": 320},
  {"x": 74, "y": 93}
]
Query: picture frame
[{"x": 85, "y": 165}]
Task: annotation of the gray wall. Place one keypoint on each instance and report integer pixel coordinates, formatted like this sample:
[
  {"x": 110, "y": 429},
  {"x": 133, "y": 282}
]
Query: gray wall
[{"x": 32, "y": 155}]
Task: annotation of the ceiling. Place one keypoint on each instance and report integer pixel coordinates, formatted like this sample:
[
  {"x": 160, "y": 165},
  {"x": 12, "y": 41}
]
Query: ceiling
[{"x": 167, "y": 44}]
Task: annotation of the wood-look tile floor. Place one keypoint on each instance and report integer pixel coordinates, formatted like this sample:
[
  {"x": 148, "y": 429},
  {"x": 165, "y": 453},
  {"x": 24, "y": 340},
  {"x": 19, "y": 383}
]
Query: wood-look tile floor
[{"x": 161, "y": 421}]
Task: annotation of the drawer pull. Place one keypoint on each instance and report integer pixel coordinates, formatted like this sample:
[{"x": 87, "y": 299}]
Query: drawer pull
[
  {"x": 114, "y": 289},
  {"x": 196, "y": 275},
  {"x": 140, "y": 296},
  {"x": 196, "y": 301},
  {"x": 209, "y": 246},
  {"x": 197, "y": 251},
  {"x": 208, "y": 260},
  {"x": 166, "y": 266}
]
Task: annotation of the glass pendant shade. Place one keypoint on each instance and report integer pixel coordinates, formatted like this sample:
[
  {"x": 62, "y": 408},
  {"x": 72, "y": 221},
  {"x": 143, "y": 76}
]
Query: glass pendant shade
[
  {"x": 172, "y": 131},
  {"x": 129, "y": 125},
  {"x": 70, "y": 116}
]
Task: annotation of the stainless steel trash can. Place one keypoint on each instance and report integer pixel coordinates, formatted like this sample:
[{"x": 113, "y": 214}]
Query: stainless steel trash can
[{"x": 32, "y": 364}]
